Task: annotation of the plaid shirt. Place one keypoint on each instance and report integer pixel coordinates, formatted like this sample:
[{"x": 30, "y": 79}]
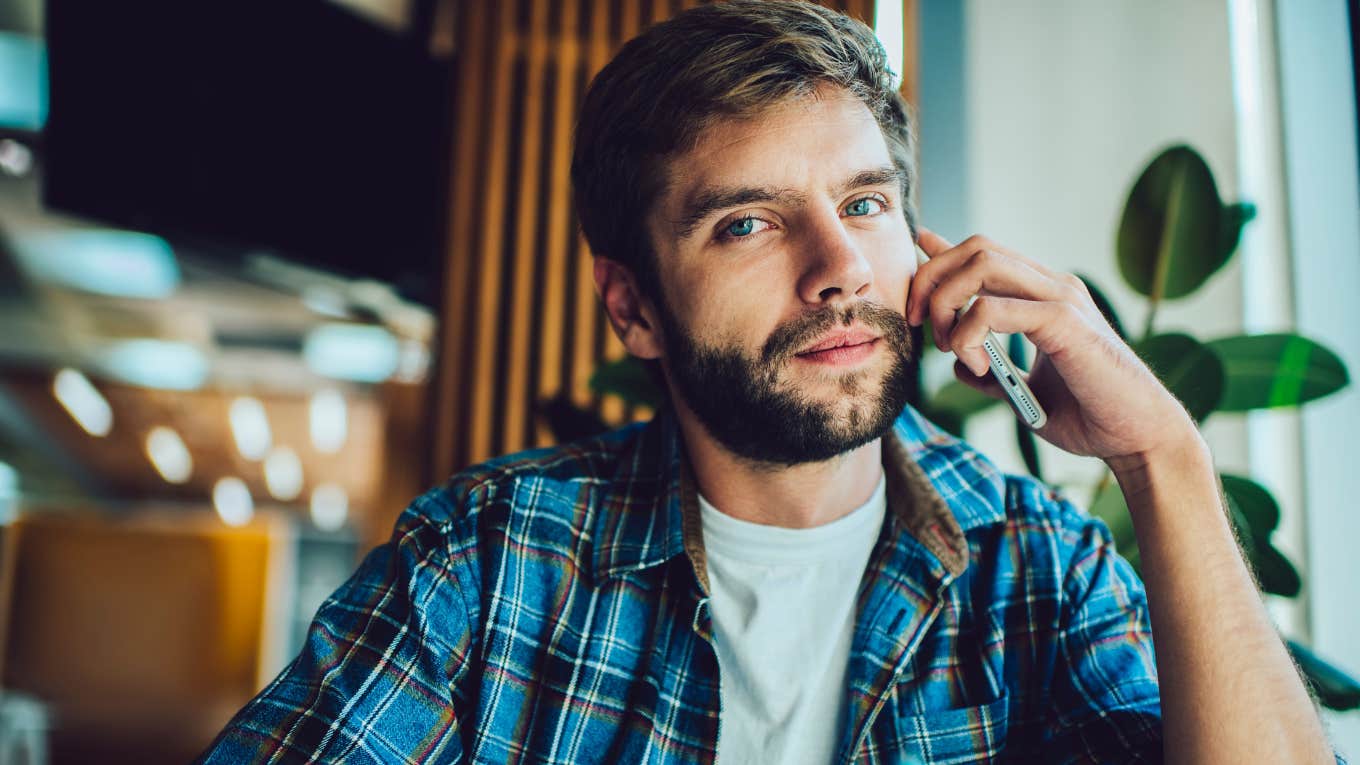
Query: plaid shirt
[{"x": 551, "y": 607}]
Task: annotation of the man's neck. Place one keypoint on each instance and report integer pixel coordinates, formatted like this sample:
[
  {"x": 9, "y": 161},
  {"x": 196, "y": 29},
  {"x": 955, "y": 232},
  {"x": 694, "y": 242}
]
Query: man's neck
[{"x": 800, "y": 496}]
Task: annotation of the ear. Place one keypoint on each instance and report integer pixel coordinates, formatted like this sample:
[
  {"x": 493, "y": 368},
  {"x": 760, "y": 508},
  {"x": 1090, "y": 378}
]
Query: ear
[{"x": 633, "y": 317}]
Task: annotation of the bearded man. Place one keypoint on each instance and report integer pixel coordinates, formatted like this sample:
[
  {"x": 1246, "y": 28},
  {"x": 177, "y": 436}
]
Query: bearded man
[{"x": 789, "y": 564}]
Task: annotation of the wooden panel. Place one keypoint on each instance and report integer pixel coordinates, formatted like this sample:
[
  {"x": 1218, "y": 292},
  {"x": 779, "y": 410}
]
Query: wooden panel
[
  {"x": 523, "y": 276},
  {"x": 521, "y": 324},
  {"x": 494, "y": 186},
  {"x": 558, "y": 228},
  {"x": 453, "y": 386}
]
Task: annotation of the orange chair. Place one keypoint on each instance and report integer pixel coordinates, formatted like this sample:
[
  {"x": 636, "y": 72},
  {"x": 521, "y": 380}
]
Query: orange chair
[{"x": 142, "y": 632}]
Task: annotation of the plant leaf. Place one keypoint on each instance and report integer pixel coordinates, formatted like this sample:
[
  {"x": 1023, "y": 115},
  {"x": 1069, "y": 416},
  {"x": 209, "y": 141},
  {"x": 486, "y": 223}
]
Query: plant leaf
[
  {"x": 569, "y": 422},
  {"x": 1242, "y": 528},
  {"x": 1109, "y": 506},
  {"x": 1233, "y": 218},
  {"x": 1259, "y": 509},
  {"x": 947, "y": 421},
  {"x": 626, "y": 378},
  {"x": 1169, "y": 240},
  {"x": 1104, "y": 305},
  {"x": 1188, "y": 369},
  {"x": 1276, "y": 574},
  {"x": 1335, "y": 689},
  {"x": 955, "y": 402},
  {"x": 1256, "y": 514},
  {"x": 1015, "y": 348},
  {"x": 1029, "y": 449},
  {"x": 1264, "y": 371}
]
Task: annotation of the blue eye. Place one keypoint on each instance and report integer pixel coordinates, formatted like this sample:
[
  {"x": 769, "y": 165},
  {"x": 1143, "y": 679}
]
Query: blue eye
[
  {"x": 740, "y": 228},
  {"x": 864, "y": 206}
]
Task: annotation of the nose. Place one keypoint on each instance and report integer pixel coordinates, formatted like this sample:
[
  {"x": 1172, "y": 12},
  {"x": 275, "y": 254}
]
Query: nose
[{"x": 833, "y": 266}]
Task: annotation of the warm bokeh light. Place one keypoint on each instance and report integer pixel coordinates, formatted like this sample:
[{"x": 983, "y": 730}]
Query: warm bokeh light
[
  {"x": 169, "y": 455},
  {"x": 283, "y": 474},
  {"x": 330, "y": 507},
  {"x": 250, "y": 428},
  {"x": 232, "y": 500},
  {"x": 328, "y": 418},
  {"x": 86, "y": 405}
]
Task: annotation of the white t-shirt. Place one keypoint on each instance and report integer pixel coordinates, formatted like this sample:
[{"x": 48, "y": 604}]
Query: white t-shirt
[{"x": 783, "y": 605}]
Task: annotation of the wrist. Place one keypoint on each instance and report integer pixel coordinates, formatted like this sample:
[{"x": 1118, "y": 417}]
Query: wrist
[{"x": 1174, "y": 461}]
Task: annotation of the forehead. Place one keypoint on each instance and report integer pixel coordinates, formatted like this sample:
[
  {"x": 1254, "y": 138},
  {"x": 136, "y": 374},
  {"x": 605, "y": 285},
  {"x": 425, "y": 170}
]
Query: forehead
[{"x": 824, "y": 136}]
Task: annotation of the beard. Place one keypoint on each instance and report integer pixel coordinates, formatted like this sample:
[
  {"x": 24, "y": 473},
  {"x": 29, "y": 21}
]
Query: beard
[{"x": 740, "y": 402}]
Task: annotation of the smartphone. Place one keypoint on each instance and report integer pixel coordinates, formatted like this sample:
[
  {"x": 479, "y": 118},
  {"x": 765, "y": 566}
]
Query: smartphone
[{"x": 1022, "y": 399}]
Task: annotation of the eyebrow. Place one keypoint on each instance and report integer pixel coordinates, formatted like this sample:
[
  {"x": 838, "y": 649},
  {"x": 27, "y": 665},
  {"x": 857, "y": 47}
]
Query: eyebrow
[{"x": 707, "y": 201}]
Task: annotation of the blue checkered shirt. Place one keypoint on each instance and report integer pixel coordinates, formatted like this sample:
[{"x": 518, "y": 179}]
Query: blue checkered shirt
[{"x": 551, "y": 607}]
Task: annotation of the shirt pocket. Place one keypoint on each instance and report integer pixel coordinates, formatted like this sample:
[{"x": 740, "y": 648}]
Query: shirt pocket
[{"x": 960, "y": 735}]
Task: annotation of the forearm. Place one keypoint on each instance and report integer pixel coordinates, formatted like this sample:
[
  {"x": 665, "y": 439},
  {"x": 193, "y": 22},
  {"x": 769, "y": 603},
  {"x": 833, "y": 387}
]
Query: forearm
[{"x": 1229, "y": 690}]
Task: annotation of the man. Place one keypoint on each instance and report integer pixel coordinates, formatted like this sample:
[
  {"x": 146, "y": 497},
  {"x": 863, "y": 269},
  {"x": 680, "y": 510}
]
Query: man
[{"x": 788, "y": 565}]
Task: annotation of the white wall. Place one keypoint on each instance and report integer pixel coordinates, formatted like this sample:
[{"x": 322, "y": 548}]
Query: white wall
[
  {"x": 1320, "y": 165},
  {"x": 1037, "y": 116}
]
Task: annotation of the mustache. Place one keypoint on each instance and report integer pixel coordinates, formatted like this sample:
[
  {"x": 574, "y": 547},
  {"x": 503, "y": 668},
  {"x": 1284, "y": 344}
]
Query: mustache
[{"x": 785, "y": 341}]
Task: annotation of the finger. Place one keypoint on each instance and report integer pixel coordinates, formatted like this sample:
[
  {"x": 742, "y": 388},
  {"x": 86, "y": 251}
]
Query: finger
[
  {"x": 931, "y": 242},
  {"x": 1053, "y": 326},
  {"x": 987, "y": 273},
  {"x": 945, "y": 258},
  {"x": 984, "y": 383}
]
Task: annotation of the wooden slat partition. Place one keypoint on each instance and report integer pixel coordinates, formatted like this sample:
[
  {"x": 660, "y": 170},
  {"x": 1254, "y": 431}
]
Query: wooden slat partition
[{"x": 520, "y": 323}]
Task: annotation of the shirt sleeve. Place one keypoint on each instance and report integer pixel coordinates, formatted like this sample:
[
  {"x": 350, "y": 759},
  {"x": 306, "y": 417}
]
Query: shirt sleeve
[
  {"x": 383, "y": 674},
  {"x": 1106, "y": 703}
]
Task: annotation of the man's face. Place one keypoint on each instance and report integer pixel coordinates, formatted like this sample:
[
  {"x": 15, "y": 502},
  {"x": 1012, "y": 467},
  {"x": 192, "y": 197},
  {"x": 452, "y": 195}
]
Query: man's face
[{"x": 777, "y": 237}]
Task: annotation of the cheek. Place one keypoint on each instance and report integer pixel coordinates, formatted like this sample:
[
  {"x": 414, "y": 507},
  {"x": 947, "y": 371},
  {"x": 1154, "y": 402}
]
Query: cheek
[{"x": 893, "y": 272}]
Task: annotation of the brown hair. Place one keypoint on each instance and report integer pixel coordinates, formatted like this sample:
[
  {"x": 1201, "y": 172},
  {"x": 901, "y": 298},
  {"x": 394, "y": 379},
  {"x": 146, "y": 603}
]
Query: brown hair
[{"x": 725, "y": 60}]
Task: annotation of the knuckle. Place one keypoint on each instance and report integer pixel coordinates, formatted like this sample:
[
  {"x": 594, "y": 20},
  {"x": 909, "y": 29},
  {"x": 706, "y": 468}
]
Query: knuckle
[
  {"x": 982, "y": 259},
  {"x": 978, "y": 242},
  {"x": 1076, "y": 285},
  {"x": 1070, "y": 313}
]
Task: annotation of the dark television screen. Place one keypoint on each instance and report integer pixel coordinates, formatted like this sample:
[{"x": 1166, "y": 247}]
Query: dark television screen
[{"x": 289, "y": 126}]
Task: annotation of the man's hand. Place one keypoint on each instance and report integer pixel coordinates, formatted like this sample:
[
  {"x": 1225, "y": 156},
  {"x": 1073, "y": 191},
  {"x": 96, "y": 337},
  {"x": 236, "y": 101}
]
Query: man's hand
[
  {"x": 1214, "y": 641},
  {"x": 1101, "y": 399}
]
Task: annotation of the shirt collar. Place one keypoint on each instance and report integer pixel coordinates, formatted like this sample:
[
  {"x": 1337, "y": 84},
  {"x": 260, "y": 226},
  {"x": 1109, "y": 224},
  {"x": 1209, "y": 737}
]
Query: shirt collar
[{"x": 938, "y": 489}]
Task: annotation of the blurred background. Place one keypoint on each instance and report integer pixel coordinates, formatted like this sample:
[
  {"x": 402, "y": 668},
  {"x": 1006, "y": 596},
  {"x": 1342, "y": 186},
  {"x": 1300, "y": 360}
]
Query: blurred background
[{"x": 268, "y": 270}]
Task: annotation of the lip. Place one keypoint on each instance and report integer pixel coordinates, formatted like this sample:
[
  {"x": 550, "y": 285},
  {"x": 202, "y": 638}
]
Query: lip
[{"x": 840, "y": 338}]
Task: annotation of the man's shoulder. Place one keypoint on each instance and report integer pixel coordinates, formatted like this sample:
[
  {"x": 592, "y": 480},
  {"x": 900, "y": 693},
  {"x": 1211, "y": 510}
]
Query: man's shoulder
[{"x": 556, "y": 481}]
